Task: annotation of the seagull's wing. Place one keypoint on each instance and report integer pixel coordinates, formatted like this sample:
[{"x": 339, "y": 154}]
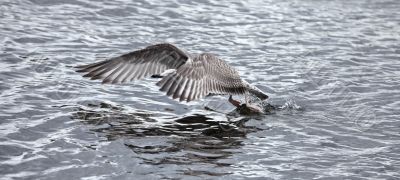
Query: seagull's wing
[
  {"x": 152, "y": 60},
  {"x": 206, "y": 74}
]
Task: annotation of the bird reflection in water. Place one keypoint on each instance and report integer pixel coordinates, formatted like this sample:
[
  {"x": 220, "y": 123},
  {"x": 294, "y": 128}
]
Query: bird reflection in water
[
  {"x": 195, "y": 137},
  {"x": 115, "y": 121}
]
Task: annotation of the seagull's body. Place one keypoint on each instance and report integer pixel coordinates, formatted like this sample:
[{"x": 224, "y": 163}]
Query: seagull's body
[{"x": 190, "y": 77}]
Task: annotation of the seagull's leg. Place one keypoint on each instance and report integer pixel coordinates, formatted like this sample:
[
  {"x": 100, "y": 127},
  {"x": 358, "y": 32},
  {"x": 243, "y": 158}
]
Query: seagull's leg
[{"x": 233, "y": 102}]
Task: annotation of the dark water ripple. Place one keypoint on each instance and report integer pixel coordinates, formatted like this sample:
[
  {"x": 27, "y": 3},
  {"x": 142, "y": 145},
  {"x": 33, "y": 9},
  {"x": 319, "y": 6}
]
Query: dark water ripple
[{"x": 331, "y": 66}]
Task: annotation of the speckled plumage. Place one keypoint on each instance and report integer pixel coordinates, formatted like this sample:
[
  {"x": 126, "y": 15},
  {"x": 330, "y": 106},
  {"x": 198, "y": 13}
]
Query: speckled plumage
[{"x": 195, "y": 76}]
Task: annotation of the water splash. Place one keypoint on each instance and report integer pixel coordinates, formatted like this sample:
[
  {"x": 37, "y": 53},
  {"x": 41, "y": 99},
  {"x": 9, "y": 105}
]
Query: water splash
[{"x": 290, "y": 104}]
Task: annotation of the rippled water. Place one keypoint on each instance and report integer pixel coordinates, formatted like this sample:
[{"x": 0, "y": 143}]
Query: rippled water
[{"x": 332, "y": 67}]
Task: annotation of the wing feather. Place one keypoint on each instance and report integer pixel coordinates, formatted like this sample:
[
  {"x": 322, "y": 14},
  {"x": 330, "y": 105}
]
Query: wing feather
[
  {"x": 174, "y": 85},
  {"x": 204, "y": 74},
  {"x": 168, "y": 83},
  {"x": 149, "y": 61},
  {"x": 114, "y": 71},
  {"x": 191, "y": 91},
  {"x": 128, "y": 75},
  {"x": 186, "y": 91},
  {"x": 179, "y": 89},
  {"x": 194, "y": 77}
]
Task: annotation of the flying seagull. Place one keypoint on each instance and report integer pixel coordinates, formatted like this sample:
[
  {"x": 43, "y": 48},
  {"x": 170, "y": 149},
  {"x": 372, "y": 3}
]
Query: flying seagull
[{"x": 186, "y": 77}]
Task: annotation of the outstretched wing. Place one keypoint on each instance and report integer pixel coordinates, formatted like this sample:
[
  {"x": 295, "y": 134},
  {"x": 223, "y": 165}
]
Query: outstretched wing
[
  {"x": 206, "y": 74},
  {"x": 135, "y": 65}
]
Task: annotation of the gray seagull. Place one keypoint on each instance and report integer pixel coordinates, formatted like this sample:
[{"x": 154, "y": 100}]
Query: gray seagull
[{"x": 186, "y": 77}]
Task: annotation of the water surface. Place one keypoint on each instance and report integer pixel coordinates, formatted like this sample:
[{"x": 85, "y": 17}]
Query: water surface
[{"x": 333, "y": 67}]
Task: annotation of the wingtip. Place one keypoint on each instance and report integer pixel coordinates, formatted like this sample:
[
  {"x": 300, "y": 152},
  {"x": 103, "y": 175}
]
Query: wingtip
[
  {"x": 87, "y": 75},
  {"x": 106, "y": 81},
  {"x": 80, "y": 66}
]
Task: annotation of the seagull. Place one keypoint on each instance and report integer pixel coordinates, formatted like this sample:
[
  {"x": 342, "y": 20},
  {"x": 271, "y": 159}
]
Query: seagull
[{"x": 185, "y": 76}]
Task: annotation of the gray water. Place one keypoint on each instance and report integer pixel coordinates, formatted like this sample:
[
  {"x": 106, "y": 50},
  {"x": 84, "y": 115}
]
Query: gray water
[{"x": 332, "y": 67}]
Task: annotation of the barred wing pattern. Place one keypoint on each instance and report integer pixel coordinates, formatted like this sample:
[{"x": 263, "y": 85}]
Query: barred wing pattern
[
  {"x": 194, "y": 76},
  {"x": 152, "y": 60},
  {"x": 205, "y": 74}
]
